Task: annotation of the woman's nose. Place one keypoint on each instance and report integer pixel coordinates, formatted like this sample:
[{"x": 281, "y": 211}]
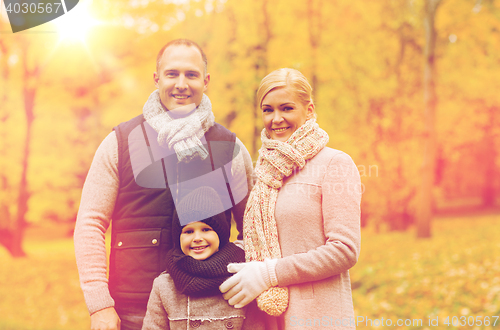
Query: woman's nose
[{"x": 277, "y": 119}]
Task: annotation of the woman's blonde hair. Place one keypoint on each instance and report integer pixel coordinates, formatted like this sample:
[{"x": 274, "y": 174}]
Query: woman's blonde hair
[{"x": 286, "y": 77}]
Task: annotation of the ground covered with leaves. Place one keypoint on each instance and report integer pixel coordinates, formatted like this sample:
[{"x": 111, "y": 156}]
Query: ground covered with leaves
[{"x": 456, "y": 273}]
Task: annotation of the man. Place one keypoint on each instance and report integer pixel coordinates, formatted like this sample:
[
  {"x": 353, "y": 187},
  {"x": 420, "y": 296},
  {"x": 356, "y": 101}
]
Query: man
[{"x": 139, "y": 174}]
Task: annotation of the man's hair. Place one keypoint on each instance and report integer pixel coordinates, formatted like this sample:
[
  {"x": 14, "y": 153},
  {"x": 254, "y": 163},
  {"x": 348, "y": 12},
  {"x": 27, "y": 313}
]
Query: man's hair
[{"x": 181, "y": 42}]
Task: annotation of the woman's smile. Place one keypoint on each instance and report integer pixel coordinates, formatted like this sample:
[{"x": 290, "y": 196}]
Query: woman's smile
[{"x": 280, "y": 130}]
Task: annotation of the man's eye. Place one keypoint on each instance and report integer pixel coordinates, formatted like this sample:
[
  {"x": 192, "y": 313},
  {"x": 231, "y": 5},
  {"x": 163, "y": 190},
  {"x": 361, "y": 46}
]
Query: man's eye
[
  {"x": 170, "y": 75},
  {"x": 191, "y": 75}
]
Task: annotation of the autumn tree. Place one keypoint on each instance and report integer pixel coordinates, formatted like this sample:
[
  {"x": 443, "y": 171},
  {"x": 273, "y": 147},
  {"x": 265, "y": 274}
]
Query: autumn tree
[
  {"x": 424, "y": 215},
  {"x": 12, "y": 235},
  {"x": 468, "y": 120},
  {"x": 365, "y": 61}
]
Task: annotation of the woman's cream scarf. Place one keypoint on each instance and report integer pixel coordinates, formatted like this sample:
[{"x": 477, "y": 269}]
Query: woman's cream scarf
[
  {"x": 183, "y": 133},
  {"x": 276, "y": 161}
]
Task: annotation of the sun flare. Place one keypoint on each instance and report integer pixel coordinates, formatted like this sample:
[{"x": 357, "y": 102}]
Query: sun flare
[{"x": 75, "y": 24}]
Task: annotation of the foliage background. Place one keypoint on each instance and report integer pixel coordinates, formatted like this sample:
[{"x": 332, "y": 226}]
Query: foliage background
[{"x": 364, "y": 59}]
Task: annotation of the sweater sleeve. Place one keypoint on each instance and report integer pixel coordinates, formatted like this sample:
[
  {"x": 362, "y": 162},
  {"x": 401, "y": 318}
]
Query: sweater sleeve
[
  {"x": 156, "y": 316},
  {"x": 93, "y": 219},
  {"x": 242, "y": 172},
  {"x": 341, "y": 197}
]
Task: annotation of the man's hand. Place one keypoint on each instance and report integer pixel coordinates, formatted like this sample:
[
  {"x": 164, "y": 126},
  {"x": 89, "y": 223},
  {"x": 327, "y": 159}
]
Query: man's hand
[
  {"x": 250, "y": 280},
  {"x": 105, "y": 319}
]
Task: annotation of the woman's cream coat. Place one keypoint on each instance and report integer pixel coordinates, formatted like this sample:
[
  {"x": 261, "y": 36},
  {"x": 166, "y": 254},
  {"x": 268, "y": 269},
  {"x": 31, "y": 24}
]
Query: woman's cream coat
[{"x": 318, "y": 220}]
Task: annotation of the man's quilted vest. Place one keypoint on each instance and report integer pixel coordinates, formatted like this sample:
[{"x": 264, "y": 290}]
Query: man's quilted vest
[{"x": 152, "y": 182}]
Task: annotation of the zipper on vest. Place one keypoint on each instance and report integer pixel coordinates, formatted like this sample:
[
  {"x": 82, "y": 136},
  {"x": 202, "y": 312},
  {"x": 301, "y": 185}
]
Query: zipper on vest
[{"x": 228, "y": 187}]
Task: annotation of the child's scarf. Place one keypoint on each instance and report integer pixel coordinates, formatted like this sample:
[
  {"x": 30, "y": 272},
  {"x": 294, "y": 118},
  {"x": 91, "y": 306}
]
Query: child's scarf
[{"x": 202, "y": 278}]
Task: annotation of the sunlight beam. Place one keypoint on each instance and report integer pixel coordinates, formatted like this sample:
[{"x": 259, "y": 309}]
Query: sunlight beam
[{"x": 75, "y": 24}]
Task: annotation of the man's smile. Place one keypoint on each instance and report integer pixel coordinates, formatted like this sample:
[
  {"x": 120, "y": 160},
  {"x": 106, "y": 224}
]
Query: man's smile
[{"x": 180, "y": 96}]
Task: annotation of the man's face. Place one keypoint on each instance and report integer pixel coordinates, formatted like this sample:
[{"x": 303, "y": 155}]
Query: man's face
[{"x": 181, "y": 80}]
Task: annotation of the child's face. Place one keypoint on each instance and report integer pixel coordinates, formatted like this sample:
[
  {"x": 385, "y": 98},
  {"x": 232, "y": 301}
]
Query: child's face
[{"x": 199, "y": 240}]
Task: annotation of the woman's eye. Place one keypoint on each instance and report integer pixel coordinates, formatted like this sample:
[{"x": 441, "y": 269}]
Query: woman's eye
[
  {"x": 288, "y": 108},
  {"x": 267, "y": 110}
]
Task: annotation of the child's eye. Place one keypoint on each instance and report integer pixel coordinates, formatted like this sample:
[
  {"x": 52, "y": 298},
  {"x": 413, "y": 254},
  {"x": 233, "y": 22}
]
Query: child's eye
[
  {"x": 189, "y": 231},
  {"x": 207, "y": 229}
]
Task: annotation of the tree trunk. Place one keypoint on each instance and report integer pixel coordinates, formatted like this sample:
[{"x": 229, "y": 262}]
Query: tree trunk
[
  {"x": 315, "y": 28},
  {"x": 424, "y": 215},
  {"x": 260, "y": 71},
  {"x": 29, "y": 93},
  {"x": 488, "y": 157},
  {"x": 5, "y": 214},
  {"x": 24, "y": 195}
]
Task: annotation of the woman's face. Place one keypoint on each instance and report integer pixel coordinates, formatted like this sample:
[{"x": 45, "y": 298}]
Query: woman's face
[{"x": 283, "y": 113}]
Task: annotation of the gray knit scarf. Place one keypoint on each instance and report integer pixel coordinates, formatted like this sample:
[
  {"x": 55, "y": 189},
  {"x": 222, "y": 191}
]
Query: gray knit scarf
[
  {"x": 202, "y": 278},
  {"x": 183, "y": 133}
]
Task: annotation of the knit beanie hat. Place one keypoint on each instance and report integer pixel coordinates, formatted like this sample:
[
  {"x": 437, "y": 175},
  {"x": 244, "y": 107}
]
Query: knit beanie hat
[
  {"x": 201, "y": 278},
  {"x": 202, "y": 204}
]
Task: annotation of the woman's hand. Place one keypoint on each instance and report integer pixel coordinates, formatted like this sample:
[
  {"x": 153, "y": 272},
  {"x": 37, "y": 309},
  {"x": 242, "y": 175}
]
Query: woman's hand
[{"x": 250, "y": 280}]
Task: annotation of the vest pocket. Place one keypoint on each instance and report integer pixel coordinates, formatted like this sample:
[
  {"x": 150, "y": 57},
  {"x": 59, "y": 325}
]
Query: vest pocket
[{"x": 137, "y": 260}]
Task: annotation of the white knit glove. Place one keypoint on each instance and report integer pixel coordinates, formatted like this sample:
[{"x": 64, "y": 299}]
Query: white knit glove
[
  {"x": 239, "y": 243},
  {"x": 250, "y": 280}
]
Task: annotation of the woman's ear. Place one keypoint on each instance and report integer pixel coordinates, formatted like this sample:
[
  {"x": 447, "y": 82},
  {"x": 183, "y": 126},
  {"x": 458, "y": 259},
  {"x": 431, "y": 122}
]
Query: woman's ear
[{"x": 310, "y": 110}]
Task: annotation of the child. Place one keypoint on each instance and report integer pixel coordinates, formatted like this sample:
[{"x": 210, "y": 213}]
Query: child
[{"x": 188, "y": 296}]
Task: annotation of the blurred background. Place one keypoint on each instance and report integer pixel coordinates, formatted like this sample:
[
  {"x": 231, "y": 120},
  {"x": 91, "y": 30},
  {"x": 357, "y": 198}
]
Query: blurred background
[{"x": 408, "y": 88}]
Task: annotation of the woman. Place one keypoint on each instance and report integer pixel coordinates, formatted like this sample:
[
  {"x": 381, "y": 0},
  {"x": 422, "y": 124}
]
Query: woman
[{"x": 301, "y": 225}]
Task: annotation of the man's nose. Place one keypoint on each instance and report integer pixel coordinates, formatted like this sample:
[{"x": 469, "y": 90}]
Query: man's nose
[{"x": 181, "y": 82}]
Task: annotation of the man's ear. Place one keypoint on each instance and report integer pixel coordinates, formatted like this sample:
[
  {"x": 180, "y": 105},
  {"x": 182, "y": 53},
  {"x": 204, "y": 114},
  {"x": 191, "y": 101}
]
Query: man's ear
[
  {"x": 156, "y": 78},
  {"x": 206, "y": 81}
]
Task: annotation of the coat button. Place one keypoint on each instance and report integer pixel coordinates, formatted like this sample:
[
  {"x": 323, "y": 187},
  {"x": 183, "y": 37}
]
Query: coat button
[
  {"x": 120, "y": 243},
  {"x": 229, "y": 325},
  {"x": 195, "y": 323},
  {"x": 154, "y": 241}
]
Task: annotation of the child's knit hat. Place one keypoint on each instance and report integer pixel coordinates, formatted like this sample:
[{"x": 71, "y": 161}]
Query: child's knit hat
[
  {"x": 202, "y": 204},
  {"x": 202, "y": 277}
]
